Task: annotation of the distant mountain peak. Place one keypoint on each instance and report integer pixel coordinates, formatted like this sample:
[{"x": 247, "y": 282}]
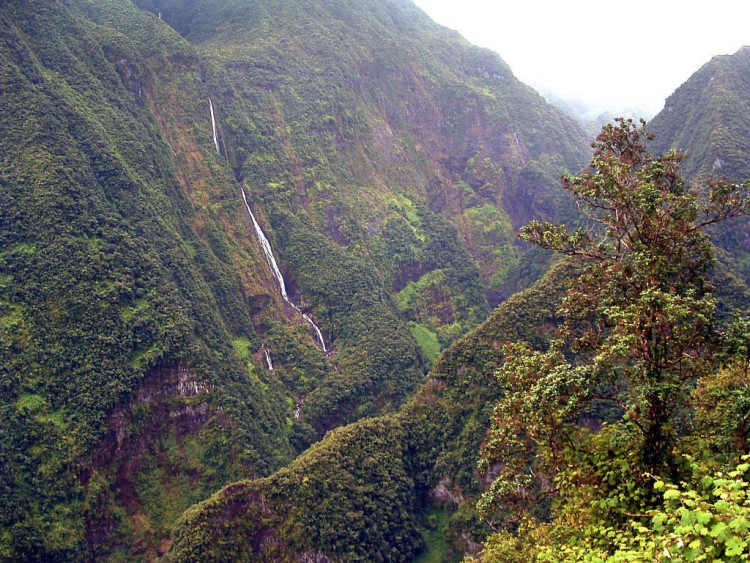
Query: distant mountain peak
[{"x": 707, "y": 117}]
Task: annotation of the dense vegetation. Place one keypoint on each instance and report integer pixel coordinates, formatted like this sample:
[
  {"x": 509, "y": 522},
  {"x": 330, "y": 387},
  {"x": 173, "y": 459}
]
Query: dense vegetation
[
  {"x": 388, "y": 162},
  {"x": 106, "y": 284},
  {"x": 603, "y": 423},
  {"x": 594, "y": 452},
  {"x": 705, "y": 118},
  {"x": 424, "y": 455}
]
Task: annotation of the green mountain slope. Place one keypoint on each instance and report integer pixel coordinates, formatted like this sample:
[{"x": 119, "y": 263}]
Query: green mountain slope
[
  {"x": 374, "y": 110},
  {"x": 106, "y": 288},
  {"x": 708, "y": 118},
  {"x": 372, "y": 491},
  {"x": 387, "y": 161}
]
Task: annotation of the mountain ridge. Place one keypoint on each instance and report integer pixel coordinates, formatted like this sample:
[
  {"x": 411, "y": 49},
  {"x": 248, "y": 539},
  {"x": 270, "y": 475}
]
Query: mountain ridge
[
  {"x": 704, "y": 118},
  {"x": 709, "y": 104}
]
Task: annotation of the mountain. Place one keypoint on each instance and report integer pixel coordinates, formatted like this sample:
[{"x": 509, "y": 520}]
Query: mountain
[
  {"x": 707, "y": 118},
  {"x": 377, "y": 99},
  {"x": 117, "y": 366},
  {"x": 384, "y": 489},
  {"x": 592, "y": 117},
  {"x": 148, "y": 356}
]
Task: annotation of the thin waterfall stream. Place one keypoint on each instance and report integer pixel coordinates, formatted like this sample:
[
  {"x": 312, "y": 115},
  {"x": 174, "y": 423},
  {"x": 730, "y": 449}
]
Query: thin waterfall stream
[
  {"x": 268, "y": 252},
  {"x": 213, "y": 126},
  {"x": 268, "y": 358}
]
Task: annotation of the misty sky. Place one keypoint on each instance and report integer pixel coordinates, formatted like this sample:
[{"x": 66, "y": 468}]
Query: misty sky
[{"x": 613, "y": 55}]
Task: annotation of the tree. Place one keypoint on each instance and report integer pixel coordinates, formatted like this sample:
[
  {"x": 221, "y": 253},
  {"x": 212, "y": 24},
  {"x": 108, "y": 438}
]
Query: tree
[{"x": 638, "y": 331}]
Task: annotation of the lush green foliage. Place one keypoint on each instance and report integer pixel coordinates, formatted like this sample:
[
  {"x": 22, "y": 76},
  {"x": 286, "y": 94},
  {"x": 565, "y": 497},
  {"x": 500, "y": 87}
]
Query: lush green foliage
[
  {"x": 431, "y": 440},
  {"x": 705, "y": 518},
  {"x": 389, "y": 162},
  {"x": 331, "y": 111},
  {"x": 349, "y": 497},
  {"x": 703, "y": 117},
  {"x": 379, "y": 150},
  {"x": 596, "y": 421},
  {"x": 104, "y": 280}
]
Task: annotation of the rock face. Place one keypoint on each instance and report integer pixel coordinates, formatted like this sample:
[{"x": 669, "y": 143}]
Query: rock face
[
  {"x": 443, "y": 493},
  {"x": 150, "y": 436}
]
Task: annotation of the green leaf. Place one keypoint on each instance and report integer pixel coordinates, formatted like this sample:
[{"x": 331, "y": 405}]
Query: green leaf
[
  {"x": 735, "y": 546},
  {"x": 719, "y": 531},
  {"x": 658, "y": 521},
  {"x": 703, "y": 517}
]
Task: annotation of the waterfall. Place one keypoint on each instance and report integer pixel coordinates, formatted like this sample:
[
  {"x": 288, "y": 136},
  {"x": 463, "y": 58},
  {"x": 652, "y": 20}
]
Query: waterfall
[
  {"x": 266, "y": 246},
  {"x": 312, "y": 324},
  {"x": 268, "y": 359},
  {"x": 268, "y": 252},
  {"x": 213, "y": 126}
]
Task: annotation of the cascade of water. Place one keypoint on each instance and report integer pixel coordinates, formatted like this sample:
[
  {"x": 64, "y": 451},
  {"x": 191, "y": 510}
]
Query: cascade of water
[
  {"x": 268, "y": 252},
  {"x": 213, "y": 125},
  {"x": 266, "y": 247},
  {"x": 312, "y": 324},
  {"x": 268, "y": 359}
]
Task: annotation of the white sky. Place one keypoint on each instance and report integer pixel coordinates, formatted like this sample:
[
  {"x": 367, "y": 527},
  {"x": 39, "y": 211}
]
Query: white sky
[{"x": 612, "y": 55}]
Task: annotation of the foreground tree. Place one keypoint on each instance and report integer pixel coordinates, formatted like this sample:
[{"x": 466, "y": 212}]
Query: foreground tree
[{"x": 638, "y": 332}]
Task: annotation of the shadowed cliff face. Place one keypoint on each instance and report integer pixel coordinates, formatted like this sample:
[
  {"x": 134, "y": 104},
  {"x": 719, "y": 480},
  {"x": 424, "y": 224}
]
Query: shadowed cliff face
[
  {"x": 152, "y": 453},
  {"x": 387, "y": 162}
]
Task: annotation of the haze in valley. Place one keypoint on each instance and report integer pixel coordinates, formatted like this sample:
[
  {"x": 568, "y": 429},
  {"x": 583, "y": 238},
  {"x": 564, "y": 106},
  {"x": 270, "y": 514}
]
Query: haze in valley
[{"x": 608, "y": 56}]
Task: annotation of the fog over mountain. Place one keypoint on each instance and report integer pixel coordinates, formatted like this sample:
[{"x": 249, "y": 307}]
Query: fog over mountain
[{"x": 598, "y": 54}]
